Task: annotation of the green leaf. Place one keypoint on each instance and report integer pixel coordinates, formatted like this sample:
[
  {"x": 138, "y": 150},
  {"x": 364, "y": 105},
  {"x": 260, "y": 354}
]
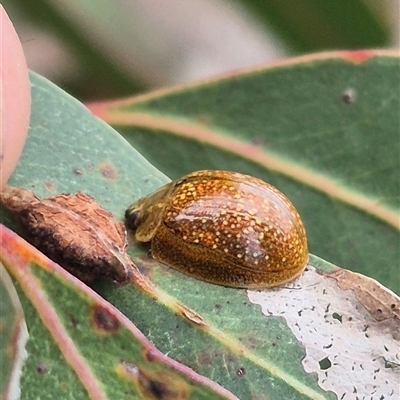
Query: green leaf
[
  {"x": 324, "y": 129},
  {"x": 70, "y": 150},
  {"x": 221, "y": 333},
  {"x": 83, "y": 347}
]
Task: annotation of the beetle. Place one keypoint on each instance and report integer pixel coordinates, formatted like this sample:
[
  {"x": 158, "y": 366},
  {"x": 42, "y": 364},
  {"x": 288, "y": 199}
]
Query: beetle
[{"x": 223, "y": 227}]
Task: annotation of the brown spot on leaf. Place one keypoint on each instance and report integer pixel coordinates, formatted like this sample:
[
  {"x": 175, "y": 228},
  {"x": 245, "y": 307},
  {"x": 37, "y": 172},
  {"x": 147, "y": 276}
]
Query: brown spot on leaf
[
  {"x": 41, "y": 368},
  {"x": 379, "y": 301},
  {"x": 108, "y": 170},
  {"x": 162, "y": 386},
  {"x": 104, "y": 321},
  {"x": 155, "y": 384},
  {"x": 150, "y": 356}
]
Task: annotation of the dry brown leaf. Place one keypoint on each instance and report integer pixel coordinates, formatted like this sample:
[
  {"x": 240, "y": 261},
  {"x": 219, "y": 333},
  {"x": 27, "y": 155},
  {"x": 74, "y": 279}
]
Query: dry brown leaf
[
  {"x": 379, "y": 301},
  {"x": 74, "y": 231}
]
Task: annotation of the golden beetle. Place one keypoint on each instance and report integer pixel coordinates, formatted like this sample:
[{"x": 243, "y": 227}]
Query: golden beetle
[{"x": 223, "y": 227}]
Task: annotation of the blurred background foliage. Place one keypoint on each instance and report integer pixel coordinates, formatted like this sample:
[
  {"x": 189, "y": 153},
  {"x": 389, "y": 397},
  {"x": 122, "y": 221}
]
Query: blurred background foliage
[{"x": 97, "y": 49}]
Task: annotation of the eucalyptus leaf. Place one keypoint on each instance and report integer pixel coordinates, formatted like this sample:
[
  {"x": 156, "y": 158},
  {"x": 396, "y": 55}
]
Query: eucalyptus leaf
[
  {"x": 216, "y": 331},
  {"x": 324, "y": 129}
]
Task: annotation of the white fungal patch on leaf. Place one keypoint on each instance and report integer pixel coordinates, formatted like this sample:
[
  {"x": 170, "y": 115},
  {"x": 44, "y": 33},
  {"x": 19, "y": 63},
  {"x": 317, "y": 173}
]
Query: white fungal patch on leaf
[{"x": 354, "y": 355}]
